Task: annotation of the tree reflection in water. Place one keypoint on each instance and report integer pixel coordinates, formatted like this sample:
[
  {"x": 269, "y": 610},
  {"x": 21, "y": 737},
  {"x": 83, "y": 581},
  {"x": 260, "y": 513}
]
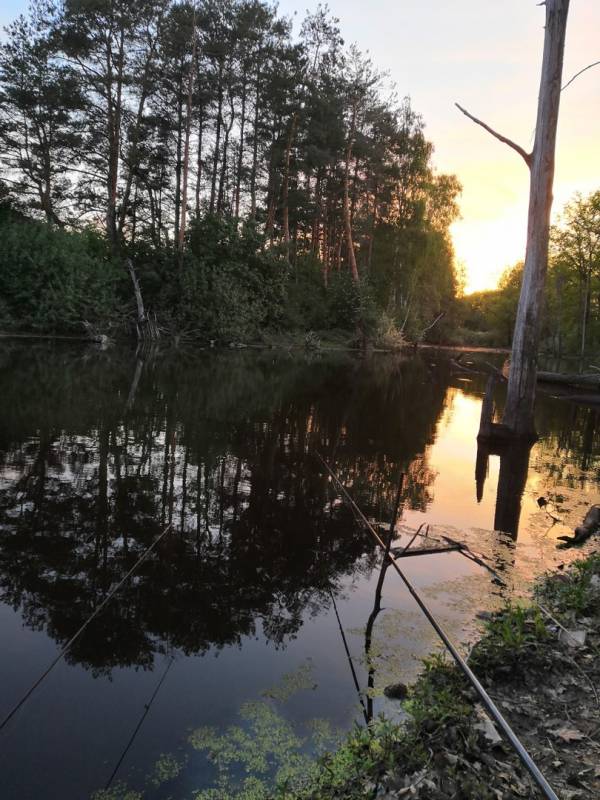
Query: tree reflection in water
[
  {"x": 565, "y": 455},
  {"x": 98, "y": 452},
  {"x": 512, "y": 478}
]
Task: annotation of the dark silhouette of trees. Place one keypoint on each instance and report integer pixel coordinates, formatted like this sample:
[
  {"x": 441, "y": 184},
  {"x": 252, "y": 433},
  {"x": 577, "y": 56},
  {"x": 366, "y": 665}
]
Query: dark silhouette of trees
[{"x": 143, "y": 119}]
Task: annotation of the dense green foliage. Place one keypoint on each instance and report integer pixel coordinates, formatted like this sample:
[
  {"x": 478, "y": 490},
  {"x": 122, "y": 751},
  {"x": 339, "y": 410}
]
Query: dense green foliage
[
  {"x": 228, "y": 286},
  {"x": 571, "y": 321},
  {"x": 51, "y": 279},
  {"x": 489, "y": 316},
  {"x": 257, "y": 179}
]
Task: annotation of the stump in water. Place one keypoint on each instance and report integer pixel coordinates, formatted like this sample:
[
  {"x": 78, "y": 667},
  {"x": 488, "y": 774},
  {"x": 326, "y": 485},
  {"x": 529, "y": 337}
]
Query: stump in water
[
  {"x": 497, "y": 439},
  {"x": 514, "y": 468},
  {"x": 496, "y": 432}
]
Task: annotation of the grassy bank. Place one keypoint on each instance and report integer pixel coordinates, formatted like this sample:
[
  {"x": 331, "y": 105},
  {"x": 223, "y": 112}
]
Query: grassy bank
[{"x": 544, "y": 683}]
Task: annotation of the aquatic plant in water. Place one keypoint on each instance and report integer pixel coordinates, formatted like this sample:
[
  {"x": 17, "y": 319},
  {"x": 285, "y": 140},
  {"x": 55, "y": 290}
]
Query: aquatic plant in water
[{"x": 264, "y": 754}]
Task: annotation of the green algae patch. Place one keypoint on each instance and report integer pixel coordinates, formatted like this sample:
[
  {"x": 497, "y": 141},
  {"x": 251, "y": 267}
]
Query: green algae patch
[
  {"x": 117, "y": 792},
  {"x": 292, "y": 682},
  {"x": 264, "y": 754}
]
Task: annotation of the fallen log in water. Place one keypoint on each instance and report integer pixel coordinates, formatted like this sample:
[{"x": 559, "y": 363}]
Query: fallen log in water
[
  {"x": 583, "y": 399},
  {"x": 588, "y": 379},
  {"x": 589, "y": 526}
]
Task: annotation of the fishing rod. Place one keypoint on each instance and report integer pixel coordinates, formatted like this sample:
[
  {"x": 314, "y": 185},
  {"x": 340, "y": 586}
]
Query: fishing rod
[
  {"x": 392, "y": 527},
  {"x": 508, "y": 732},
  {"x": 135, "y": 732},
  {"x": 78, "y": 633},
  {"x": 349, "y": 657}
]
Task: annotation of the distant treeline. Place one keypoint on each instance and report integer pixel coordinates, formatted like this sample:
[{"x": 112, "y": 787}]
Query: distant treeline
[
  {"x": 572, "y": 299},
  {"x": 255, "y": 177}
]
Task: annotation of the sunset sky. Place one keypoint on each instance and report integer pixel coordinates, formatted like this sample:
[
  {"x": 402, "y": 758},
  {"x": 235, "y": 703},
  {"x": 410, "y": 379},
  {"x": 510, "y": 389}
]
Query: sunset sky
[{"x": 486, "y": 55}]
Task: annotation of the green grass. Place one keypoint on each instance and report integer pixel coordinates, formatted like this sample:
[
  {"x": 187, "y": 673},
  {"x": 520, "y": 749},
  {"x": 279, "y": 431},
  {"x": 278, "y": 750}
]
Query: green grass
[
  {"x": 514, "y": 641},
  {"x": 440, "y": 713},
  {"x": 437, "y": 699},
  {"x": 574, "y": 591}
]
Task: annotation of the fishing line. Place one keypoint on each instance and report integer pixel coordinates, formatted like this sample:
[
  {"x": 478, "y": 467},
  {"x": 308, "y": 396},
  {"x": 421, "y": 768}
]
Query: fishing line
[
  {"x": 78, "y": 633},
  {"x": 524, "y": 756},
  {"x": 349, "y": 657},
  {"x": 147, "y": 707}
]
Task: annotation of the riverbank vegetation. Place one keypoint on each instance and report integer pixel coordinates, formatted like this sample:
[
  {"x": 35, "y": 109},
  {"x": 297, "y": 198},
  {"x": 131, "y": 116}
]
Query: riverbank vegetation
[
  {"x": 571, "y": 323},
  {"x": 241, "y": 174},
  {"x": 541, "y": 668}
]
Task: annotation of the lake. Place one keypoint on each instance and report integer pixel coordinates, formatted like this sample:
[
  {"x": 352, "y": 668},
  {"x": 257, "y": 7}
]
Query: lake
[{"x": 252, "y": 634}]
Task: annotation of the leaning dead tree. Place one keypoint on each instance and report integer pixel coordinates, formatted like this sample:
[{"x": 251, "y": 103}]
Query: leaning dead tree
[
  {"x": 146, "y": 326},
  {"x": 518, "y": 414}
]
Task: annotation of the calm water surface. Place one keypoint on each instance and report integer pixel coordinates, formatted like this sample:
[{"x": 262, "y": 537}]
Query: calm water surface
[{"x": 256, "y": 618}]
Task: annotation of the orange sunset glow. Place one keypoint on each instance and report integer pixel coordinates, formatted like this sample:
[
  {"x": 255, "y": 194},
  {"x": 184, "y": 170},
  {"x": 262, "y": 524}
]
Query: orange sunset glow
[{"x": 486, "y": 56}]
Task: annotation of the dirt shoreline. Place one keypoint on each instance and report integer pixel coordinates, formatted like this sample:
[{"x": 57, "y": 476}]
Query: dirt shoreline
[{"x": 293, "y": 344}]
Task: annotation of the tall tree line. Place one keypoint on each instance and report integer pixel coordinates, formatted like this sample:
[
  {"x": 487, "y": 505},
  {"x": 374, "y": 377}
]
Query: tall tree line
[
  {"x": 571, "y": 322},
  {"x": 142, "y": 117}
]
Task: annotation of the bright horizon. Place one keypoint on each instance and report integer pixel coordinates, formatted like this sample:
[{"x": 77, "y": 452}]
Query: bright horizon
[{"x": 486, "y": 56}]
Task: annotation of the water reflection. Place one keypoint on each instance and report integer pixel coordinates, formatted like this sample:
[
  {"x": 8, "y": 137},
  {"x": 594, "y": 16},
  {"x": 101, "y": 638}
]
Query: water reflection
[
  {"x": 100, "y": 450},
  {"x": 94, "y": 464},
  {"x": 512, "y": 479}
]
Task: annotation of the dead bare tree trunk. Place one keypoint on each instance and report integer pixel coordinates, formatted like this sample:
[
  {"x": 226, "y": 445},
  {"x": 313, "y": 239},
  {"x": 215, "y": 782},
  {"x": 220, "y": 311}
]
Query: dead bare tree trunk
[
  {"x": 146, "y": 327},
  {"x": 518, "y": 413},
  {"x": 141, "y": 312}
]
